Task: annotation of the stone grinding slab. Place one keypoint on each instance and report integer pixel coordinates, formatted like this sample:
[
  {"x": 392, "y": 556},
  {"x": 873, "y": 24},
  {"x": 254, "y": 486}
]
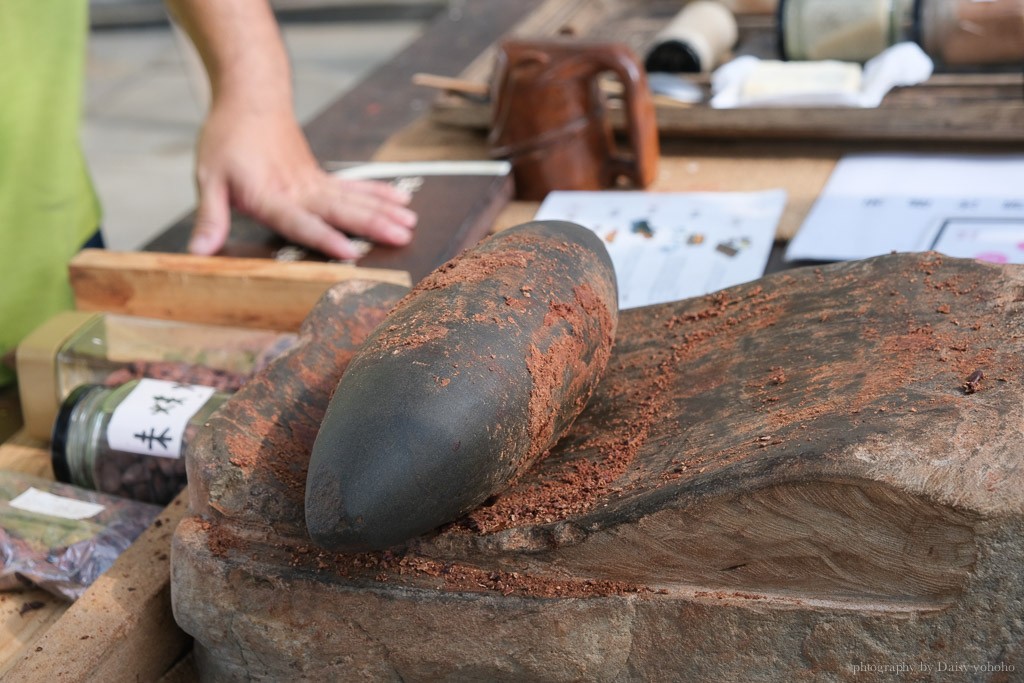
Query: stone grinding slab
[{"x": 785, "y": 479}]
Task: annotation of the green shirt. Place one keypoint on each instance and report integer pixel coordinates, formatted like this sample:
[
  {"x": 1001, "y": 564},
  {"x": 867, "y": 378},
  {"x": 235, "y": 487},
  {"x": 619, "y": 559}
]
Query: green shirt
[{"x": 48, "y": 208}]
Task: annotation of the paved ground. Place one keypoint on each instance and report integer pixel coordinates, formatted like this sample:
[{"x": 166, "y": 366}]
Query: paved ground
[{"x": 145, "y": 96}]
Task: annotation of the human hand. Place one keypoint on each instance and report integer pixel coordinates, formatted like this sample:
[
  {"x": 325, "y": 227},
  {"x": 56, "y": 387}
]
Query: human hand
[{"x": 259, "y": 163}]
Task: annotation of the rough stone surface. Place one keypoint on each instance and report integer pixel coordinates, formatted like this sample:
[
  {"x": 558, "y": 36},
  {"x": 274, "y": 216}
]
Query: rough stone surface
[
  {"x": 785, "y": 480},
  {"x": 250, "y": 460},
  {"x": 471, "y": 377}
]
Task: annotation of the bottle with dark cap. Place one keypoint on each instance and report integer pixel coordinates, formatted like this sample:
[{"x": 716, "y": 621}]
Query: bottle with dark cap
[
  {"x": 845, "y": 30},
  {"x": 696, "y": 40}
]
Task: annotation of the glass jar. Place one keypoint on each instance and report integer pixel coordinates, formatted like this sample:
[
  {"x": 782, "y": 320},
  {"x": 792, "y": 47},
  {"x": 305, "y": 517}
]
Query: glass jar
[
  {"x": 77, "y": 347},
  {"x": 130, "y": 440},
  {"x": 696, "y": 40},
  {"x": 972, "y": 33},
  {"x": 846, "y": 30}
]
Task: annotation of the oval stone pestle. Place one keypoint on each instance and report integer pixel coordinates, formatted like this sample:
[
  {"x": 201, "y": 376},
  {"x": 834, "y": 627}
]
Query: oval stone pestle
[{"x": 471, "y": 378}]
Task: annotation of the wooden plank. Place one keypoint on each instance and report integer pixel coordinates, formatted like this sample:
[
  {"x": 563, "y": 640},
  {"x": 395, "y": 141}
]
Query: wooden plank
[
  {"x": 969, "y": 123},
  {"x": 357, "y": 124},
  {"x": 954, "y": 113},
  {"x": 22, "y": 453},
  {"x": 24, "y": 617},
  {"x": 259, "y": 293},
  {"x": 122, "y": 628}
]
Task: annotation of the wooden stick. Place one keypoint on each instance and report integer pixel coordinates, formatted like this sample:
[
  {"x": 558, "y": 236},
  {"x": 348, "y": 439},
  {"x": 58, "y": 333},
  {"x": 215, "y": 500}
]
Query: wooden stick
[
  {"x": 243, "y": 292},
  {"x": 480, "y": 92},
  {"x": 459, "y": 86}
]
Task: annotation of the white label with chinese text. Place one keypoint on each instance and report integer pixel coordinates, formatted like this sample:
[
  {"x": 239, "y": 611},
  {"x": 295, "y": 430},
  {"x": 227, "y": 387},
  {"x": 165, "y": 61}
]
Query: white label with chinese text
[
  {"x": 151, "y": 420},
  {"x": 44, "y": 503}
]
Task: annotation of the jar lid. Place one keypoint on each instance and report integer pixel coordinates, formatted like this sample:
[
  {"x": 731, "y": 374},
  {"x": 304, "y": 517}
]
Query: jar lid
[
  {"x": 674, "y": 56},
  {"x": 59, "y": 437}
]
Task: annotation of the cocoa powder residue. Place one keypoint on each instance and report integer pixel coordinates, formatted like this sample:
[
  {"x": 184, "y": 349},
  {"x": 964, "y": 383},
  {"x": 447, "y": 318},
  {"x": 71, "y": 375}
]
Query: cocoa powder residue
[
  {"x": 563, "y": 375},
  {"x": 171, "y": 371},
  {"x": 434, "y": 322},
  {"x": 408, "y": 569},
  {"x": 604, "y": 453},
  {"x": 909, "y": 342},
  {"x": 473, "y": 266},
  {"x": 268, "y": 428},
  {"x": 219, "y": 539}
]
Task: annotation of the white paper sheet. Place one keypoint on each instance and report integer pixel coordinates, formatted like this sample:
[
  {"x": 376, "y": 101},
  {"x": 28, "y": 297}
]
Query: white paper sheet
[
  {"x": 669, "y": 246},
  {"x": 46, "y": 503},
  {"x": 961, "y": 205},
  {"x": 153, "y": 417}
]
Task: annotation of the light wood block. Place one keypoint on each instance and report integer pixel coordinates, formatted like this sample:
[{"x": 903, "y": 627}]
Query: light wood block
[{"x": 243, "y": 292}]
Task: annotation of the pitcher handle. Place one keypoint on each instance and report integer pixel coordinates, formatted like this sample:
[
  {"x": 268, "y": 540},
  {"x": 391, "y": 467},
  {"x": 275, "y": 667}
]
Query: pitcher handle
[{"x": 641, "y": 165}]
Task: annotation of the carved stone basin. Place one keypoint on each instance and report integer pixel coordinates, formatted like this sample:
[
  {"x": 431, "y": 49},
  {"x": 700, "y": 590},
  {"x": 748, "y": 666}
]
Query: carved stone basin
[{"x": 791, "y": 479}]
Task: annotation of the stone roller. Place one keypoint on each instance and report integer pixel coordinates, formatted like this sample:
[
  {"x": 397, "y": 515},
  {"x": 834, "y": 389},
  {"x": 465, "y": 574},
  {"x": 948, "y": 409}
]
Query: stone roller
[{"x": 469, "y": 380}]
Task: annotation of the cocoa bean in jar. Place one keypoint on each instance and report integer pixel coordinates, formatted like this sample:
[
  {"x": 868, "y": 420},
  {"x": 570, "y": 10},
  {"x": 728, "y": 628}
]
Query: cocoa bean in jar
[{"x": 130, "y": 440}]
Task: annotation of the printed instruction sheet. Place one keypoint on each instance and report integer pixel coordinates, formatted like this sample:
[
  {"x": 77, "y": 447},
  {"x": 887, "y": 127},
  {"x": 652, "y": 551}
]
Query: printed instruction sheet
[
  {"x": 667, "y": 246},
  {"x": 968, "y": 206}
]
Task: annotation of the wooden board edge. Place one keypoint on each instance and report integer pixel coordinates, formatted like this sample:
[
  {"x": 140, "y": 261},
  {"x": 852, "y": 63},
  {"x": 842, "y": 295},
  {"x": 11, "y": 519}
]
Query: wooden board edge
[
  {"x": 231, "y": 267},
  {"x": 22, "y": 453},
  {"x": 243, "y": 292},
  {"x": 975, "y": 123}
]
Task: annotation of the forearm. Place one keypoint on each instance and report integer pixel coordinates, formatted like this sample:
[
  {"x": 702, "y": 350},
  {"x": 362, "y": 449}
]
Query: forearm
[
  {"x": 252, "y": 155},
  {"x": 241, "y": 48}
]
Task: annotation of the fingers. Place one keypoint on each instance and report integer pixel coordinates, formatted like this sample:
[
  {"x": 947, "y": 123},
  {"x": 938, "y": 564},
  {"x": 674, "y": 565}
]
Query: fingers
[
  {"x": 213, "y": 219},
  {"x": 315, "y": 217},
  {"x": 385, "y": 191},
  {"x": 375, "y": 211},
  {"x": 297, "y": 224}
]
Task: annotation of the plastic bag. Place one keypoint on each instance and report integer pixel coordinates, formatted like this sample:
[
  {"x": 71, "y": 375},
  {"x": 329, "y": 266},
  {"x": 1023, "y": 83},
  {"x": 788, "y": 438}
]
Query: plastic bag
[{"x": 60, "y": 537}]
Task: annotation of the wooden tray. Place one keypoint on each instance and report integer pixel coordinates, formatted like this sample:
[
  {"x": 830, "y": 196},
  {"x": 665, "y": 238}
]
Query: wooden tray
[{"x": 961, "y": 107}]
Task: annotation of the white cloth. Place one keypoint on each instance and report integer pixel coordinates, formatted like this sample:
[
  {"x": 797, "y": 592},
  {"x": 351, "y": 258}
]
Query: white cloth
[{"x": 818, "y": 84}]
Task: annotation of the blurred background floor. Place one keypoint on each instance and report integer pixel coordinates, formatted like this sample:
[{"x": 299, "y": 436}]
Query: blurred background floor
[{"x": 145, "y": 95}]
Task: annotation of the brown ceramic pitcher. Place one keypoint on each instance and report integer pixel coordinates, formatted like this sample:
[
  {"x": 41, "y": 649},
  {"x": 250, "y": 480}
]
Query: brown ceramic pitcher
[{"x": 550, "y": 119}]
